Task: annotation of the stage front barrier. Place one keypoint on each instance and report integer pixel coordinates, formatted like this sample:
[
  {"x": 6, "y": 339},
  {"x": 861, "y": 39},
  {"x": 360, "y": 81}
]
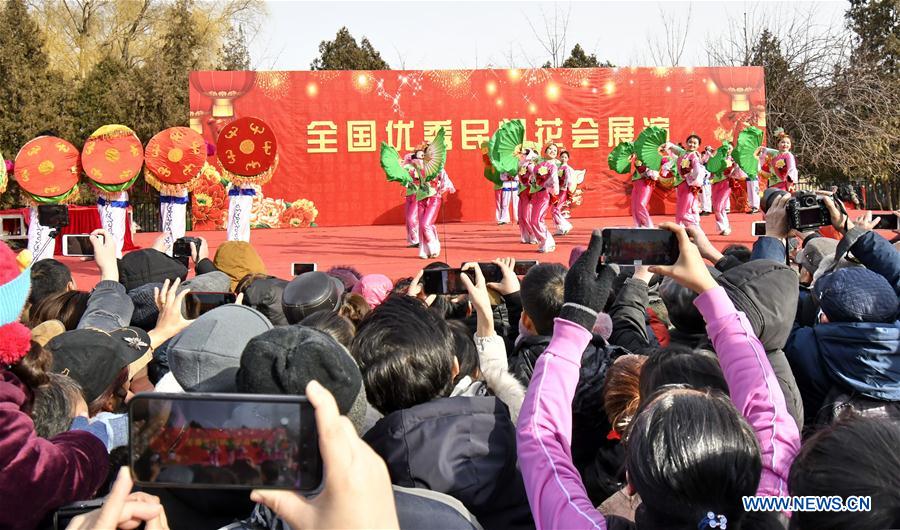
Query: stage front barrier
[{"x": 329, "y": 125}]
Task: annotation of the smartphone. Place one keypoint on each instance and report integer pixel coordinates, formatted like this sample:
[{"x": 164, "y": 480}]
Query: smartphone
[
  {"x": 77, "y": 245},
  {"x": 521, "y": 268},
  {"x": 889, "y": 221},
  {"x": 64, "y": 514},
  {"x": 491, "y": 271},
  {"x": 639, "y": 246},
  {"x": 53, "y": 215},
  {"x": 231, "y": 441},
  {"x": 445, "y": 281},
  {"x": 195, "y": 304},
  {"x": 299, "y": 268},
  {"x": 758, "y": 228}
]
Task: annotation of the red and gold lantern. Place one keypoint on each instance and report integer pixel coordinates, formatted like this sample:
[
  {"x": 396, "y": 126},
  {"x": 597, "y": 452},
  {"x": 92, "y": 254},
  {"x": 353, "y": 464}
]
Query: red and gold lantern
[
  {"x": 175, "y": 157},
  {"x": 739, "y": 83},
  {"x": 223, "y": 88},
  {"x": 248, "y": 151},
  {"x": 112, "y": 158},
  {"x": 47, "y": 169}
]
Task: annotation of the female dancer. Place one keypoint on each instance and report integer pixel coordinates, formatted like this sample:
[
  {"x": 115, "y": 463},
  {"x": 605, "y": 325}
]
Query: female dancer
[
  {"x": 526, "y": 179},
  {"x": 643, "y": 181},
  {"x": 784, "y": 165},
  {"x": 546, "y": 183},
  {"x": 411, "y": 207},
  {"x": 430, "y": 195},
  {"x": 721, "y": 188},
  {"x": 567, "y": 181},
  {"x": 688, "y": 180}
]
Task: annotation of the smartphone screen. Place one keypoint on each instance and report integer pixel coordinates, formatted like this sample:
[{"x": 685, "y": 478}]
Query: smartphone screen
[
  {"x": 445, "y": 281},
  {"x": 491, "y": 271},
  {"x": 53, "y": 215},
  {"x": 758, "y": 228},
  {"x": 232, "y": 441},
  {"x": 77, "y": 245},
  {"x": 299, "y": 268},
  {"x": 195, "y": 304},
  {"x": 889, "y": 221},
  {"x": 639, "y": 246},
  {"x": 521, "y": 268}
]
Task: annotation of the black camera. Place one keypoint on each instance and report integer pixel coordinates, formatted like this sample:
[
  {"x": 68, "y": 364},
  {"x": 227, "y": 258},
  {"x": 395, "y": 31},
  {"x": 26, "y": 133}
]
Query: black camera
[
  {"x": 181, "y": 249},
  {"x": 806, "y": 210}
]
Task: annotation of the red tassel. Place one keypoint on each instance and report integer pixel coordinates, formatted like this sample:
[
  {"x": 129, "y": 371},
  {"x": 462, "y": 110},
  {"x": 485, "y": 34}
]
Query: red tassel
[{"x": 15, "y": 342}]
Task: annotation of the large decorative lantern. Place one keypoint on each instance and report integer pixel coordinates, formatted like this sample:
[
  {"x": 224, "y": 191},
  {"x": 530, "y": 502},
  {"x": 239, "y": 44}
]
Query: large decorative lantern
[
  {"x": 223, "y": 88},
  {"x": 739, "y": 83}
]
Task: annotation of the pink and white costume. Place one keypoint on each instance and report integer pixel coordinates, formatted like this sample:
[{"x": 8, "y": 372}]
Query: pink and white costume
[
  {"x": 721, "y": 193},
  {"x": 411, "y": 206},
  {"x": 412, "y": 218},
  {"x": 546, "y": 177},
  {"x": 691, "y": 172},
  {"x": 526, "y": 177},
  {"x": 784, "y": 168},
  {"x": 642, "y": 183},
  {"x": 506, "y": 196},
  {"x": 428, "y": 208}
]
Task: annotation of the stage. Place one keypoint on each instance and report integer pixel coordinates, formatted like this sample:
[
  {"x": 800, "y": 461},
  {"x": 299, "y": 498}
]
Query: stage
[{"x": 382, "y": 248}]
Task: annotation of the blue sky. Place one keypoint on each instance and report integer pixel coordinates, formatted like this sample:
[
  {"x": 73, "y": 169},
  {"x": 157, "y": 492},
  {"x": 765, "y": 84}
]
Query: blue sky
[{"x": 432, "y": 35}]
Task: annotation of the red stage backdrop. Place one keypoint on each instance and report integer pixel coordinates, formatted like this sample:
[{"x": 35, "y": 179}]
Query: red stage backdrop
[{"x": 329, "y": 125}]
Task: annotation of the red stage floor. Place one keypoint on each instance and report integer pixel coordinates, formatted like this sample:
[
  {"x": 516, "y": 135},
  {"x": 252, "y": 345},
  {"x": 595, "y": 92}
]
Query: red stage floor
[{"x": 382, "y": 248}]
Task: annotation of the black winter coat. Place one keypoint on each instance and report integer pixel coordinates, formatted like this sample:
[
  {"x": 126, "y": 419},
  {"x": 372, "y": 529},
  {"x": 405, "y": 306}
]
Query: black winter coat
[{"x": 462, "y": 446}]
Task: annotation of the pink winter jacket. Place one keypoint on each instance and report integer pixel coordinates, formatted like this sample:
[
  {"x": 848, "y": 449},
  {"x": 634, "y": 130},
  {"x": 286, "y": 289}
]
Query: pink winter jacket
[{"x": 555, "y": 491}]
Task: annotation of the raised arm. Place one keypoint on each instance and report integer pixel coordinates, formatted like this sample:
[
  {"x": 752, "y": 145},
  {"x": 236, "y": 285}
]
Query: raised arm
[
  {"x": 754, "y": 388},
  {"x": 490, "y": 346}
]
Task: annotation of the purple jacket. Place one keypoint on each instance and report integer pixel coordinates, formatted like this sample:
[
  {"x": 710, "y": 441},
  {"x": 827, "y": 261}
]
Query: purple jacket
[
  {"x": 38, "y": 475},
  {"x": 555, "y": 491}
]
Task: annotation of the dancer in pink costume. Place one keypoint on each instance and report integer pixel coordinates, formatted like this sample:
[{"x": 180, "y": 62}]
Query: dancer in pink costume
[
  {"x": 783, "y": 165},
  {"x": 643, "y": 181},
  {"x": 411, "y": 206},
  {"x": 568, "y": 178},
  {"x": 546, "y": 183},
  {"x": 721, "y": 190},
  {"x": 422, "y": 174},
  {"x": 526, "y": 178},
  {"x": 690, "y": 173},
  {"x": 429, "y": 206}
]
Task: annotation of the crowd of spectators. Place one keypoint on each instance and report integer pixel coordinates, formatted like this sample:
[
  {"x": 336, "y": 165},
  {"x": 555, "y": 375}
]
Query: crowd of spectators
[{"x": 577, "y": 396}]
